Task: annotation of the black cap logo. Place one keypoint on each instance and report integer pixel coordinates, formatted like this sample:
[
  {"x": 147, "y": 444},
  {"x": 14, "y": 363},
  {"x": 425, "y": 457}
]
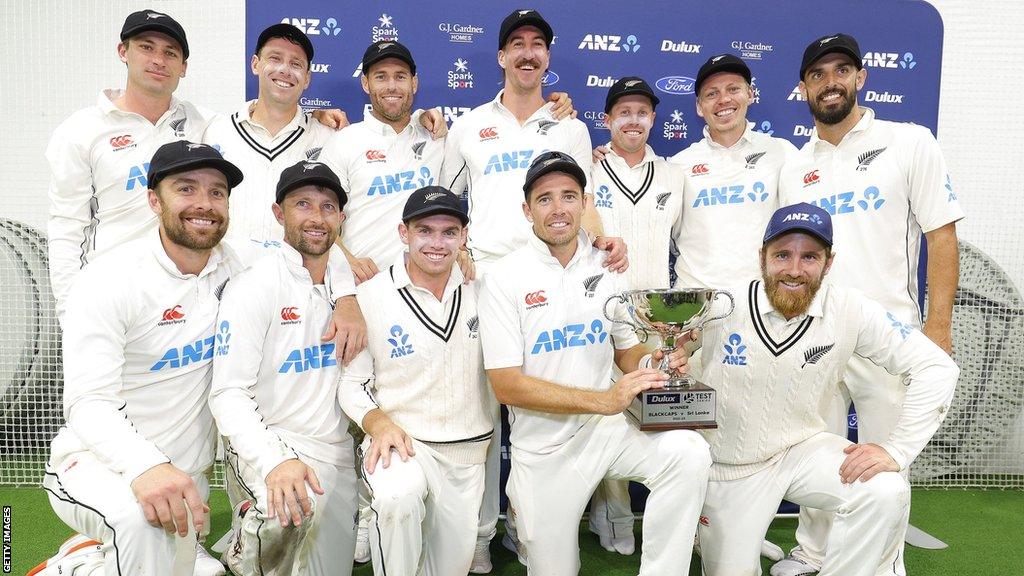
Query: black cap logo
[
  {"x": 385, "y": 45},
  {"x": 153, "y": 15},
  {"x": 525, "y": 12},
  {"x": 824, "y": 41},
  {"x": 309, "y": 166},
  {"x": 192, "y": 147},
  {"x": 717, "y": 58},
  {"x": 632, "y": 83},
  {"x": 433, "y": 196}
]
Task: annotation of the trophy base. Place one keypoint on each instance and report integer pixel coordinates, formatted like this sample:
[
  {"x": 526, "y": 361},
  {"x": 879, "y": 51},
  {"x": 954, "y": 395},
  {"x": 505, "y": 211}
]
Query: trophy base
[{"x": 686, "y": 408}]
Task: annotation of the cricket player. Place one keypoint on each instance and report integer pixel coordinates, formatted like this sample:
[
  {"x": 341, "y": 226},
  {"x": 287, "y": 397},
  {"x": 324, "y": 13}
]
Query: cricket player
[
  {"x": 885, "y": 184},
  {"x": 420, "y": 394},
  {"x": 128, "y": 469},
  {"x": 638, "y": 196},
  {"x": 548, "y": 351},
  {"x": 98, "y": 156},
  {"x": 275, "y": 388},
  {"x": 775, "y": 363}
]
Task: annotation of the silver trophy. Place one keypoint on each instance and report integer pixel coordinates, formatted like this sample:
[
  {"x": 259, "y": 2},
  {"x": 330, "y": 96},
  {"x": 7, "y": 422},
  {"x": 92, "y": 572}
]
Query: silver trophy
[{"x": 683, "y": 402}]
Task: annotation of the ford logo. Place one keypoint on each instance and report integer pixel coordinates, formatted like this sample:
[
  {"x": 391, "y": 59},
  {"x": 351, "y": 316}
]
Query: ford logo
[
  {"x": 676, "y": 85},
  {"x": 550, "y": 78}
]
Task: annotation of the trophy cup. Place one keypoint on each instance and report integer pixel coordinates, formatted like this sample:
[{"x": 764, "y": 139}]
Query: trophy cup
[{"x": 683, "y": 402}]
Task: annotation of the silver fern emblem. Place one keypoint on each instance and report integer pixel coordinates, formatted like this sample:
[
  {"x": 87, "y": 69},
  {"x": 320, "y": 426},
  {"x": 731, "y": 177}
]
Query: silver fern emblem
[
  {"x": 662, "y": 199},
  {"x": 313, "y": 154},
  {"x": 179, "y": 127},
  {"x": 474, "y": 326},
  {"x": 753, "y": 158},
  {"x": 815, "y": 353},
  {"x": 220, "y": 289},
  {"x": 417, "y": 149},
  {"x": 867, "y": 158},
  {"x": 544, "y": 125},
  {"x": 590, "y": 284}
]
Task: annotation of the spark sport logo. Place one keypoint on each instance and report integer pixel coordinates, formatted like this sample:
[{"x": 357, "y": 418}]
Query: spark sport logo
[
  {"x": 312, "y": 358},
  {"x": 386, "y": 31},
  {"x": 570, "y": 336},
  {"x": 460, "y": 78},
  {"x": 731, "y": 194},
  {"x": 674, "y": 128}
]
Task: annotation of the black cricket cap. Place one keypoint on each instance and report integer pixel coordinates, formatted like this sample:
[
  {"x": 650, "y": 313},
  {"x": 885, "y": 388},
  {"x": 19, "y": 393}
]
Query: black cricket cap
[
  {"x": 841, "y": 43},
  {"x": 182, "y": 155},
  {"x": 627, "y": 86},
  {"x": 722, "y": 63},
  {"x": 288, "y": 32},
  {"x": 310, "y": 173},
  {"x": 520, "y": 18},
  {"x": 553, "y": 161},
  {"x": 146, "y": 20},
  {"x": 431, "y": 200},
  {"x": 387, "y": 49}
]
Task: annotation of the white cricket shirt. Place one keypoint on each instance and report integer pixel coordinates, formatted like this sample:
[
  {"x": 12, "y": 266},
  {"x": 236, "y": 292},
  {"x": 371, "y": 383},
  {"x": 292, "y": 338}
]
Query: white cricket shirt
[
  {"x": 550, "y": 321},
  {"x": 488, "y": 154},
  {"x": 730, "y": 195},
  {"x": 884, "y": 185},
  {"x": 99, "y": 158}
]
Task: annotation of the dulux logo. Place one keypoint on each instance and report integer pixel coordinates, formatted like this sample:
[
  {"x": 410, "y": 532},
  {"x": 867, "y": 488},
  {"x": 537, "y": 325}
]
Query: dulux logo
[
  {"x": 844, "y": 203},
  {"x": 675, "y": 84},
  {"x": 663, "y": 398},
  {"x": 730, "y": 194},
  {"x": 506, "y": 161},
  {"x": 312, "y": 358},
  {"x": 735, "y": 351},
  {"x": 550, "y": 78},
  {"x": 572, "y": 335},
  {"x": 400, "y": 182},
  {"x": 399, "y": 342}
]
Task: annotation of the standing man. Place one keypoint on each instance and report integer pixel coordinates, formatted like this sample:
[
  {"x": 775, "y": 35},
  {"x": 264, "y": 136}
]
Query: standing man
[
  {"x": 420, "y": 394},
  {"x": 275, "y": 389},
  {"x": 128, "y": 469},
  {"x": 98, "y": 157},
  {"x": 774, "y": 362},
  {"x": 885, "y": 183},
  {"x": 639, "y": 196},
  {"x": 487, "y": 155},
  {"x": 549, "y": 357}
]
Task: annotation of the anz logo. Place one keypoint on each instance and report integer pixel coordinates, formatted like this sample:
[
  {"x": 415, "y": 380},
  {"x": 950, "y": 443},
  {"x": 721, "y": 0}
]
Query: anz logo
[
  {"x": 400, "y": 182},
  {"x": 312, "y": 358},
  {"x": 195, "y": 352},
  {"x": 735, "y": 351},
  {"x": 847, "y": 202},
  {"x": 604, "y": 197},
  {"x": 508, "y": 161},
  {"x": 573, "y": 335},
  {"x": 399, "y": 342},
  {"x": 137, "y": 175},
  {"x": 737, "y": 194}
]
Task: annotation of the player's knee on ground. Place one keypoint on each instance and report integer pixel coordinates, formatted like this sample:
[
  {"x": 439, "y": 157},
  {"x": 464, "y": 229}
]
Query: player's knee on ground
[{"x": 685, "y": 451}]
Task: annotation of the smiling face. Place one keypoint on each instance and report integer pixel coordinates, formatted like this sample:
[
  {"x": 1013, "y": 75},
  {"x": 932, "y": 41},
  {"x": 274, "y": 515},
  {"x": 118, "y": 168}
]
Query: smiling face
[
  {"x": 155, "y": 63},
  {"x": 192, "y": 207},
  {"x": 311, "y": 218},
  {"x": 434, "y": 243},
  {"x": 830, "y": 86},
  {"x": 391, "y": 87},
  {"x": 555, "y": 208},
  {"x": 723, "y": 102},
  {"x": 283, "y": 71},
  {"x": 792, "y": 267},
  {"x": 630, "y": 121},
  {"x": 525, "y": 59}
]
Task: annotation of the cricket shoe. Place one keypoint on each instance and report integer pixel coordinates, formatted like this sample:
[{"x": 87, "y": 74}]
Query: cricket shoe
[
  {"x": 624, "y": 544},
  {"x": 207, "y": 565},
  {"x": 363, "y": 541},
  {"x": 792, "y": 566},
  {"x": 77, "y": 555},
  {"x": 481, "y": 557}
]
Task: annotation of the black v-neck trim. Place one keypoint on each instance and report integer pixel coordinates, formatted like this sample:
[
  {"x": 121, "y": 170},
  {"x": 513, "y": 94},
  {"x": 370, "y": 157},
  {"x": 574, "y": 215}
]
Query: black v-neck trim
[{"x": 776, "y": 348}]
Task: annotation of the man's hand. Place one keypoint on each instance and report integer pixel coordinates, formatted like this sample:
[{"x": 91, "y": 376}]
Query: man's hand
[
  {"x": 166, "y": 496},
  {"x": 332, "y": 118},
  {"x": 617, "y": 261},
  {"x": 347, "y": 328},
  {"x": 387, "y": 436},
  {"x": 679, "y": 358},
  {"x": 563, "y": 105},
  {"x": 618, "y": 397},
  {"x": 863, "y": 461},
  {"x": 466, "y": 265},
  {"x": 433, "y": 121},
  {"x": 941, "y": 333},
  {"x": 286, "y": 491},
  {"x": 363, "y": 269},
  {"x": 599, "y": 153}
]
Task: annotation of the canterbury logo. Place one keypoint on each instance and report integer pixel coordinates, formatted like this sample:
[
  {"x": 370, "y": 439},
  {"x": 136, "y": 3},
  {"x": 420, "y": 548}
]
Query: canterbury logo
[
  {"x": 590, "y": 284},
  {"x": 375, "y": 155},
  {"x": 811, "y": 177},
  {"x": 487, "y": 133},
  {"x": 174, "y": 313},
  {"x": 815, "y": 353},
  {"x": 290, "y": 313},
  {"x": 534, "y": 298},
  {"x": 753, "y": 158},
  {"x": 699, "y": 169},
  {"x": 867, "y": 158},
  {"x": 120, "y": 141}
]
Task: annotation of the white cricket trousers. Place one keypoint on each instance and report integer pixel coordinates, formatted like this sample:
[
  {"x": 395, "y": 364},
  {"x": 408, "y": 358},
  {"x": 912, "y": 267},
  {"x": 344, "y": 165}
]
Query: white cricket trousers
[
  {"x": 99, "y": 503},
  {"x": 323, "y": 545},
  {"x": 879, "y": 399},
  {"x": 867, "y": 515},
  {"x": 550, "y": 492},
  {"x": 423, "y": 513}
]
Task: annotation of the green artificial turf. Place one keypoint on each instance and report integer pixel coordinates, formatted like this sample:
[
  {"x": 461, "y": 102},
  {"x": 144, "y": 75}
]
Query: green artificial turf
[{"x": 983, "y": 529}]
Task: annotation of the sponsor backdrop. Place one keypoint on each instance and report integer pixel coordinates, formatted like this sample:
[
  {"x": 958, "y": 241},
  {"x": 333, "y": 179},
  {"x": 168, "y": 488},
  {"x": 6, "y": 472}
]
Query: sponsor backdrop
[{"x": 455, "y": 47}]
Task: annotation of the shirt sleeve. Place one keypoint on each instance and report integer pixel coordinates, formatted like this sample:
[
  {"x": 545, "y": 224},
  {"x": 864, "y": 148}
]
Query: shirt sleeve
[
  {"x": 623, "y": 335},
  {"x": 501, "y": 333},
  {"x": 247, "y": 306},
  {"x": 581, "y": 150},
  {"x": 932, "y": 198},
  {"x": 95, "y": 335},
  {"x": 355, "y": 390},
  {"x": 341, "y": 280},
  {"x": 72, "y": 207},
  {"x": 454, "y": 171},
  {"x": 334, "y": 156},
  {"x": 930, "y": 374}
]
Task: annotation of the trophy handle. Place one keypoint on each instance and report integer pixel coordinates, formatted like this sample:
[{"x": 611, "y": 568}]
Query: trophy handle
[
  {"x": 641, "y": 333},
  {"x": 732, "y": 306}
]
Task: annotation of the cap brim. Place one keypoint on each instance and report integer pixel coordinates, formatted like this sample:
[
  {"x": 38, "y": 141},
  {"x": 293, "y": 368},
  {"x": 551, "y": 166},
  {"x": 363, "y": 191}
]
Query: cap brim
[
  {"x": 634, "y": 92},
  {"x": 378, "y": 57},
  {"x": 316, "y": 181},
  {"x": 434, "y": 210},
  {"x": 231, "y": 172},
  {"x": 729, "y": 67},
  {"x": 161, "y": 28},
  {"x": 570, "y": 168},
  {"x": 798, "y": 227},
  {"x": 833, "y": 50}
]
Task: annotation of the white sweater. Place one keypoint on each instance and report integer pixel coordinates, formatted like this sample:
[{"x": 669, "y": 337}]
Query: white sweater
[{"x": 774, "y": 377}]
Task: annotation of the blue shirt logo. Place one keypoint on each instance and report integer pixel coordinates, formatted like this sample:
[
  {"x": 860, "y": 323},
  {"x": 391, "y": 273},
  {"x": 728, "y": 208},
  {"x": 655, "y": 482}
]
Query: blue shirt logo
[
  {"x": 223, "y": 336},
  {"x": 604, "y": 197},
  {"x": 570, "y": 336},
  {"x": 506, "y": 161},
  {"x": 847, "y": 202},
  {"x": 400, "y": 182},
  {"x": 399, "y": 342},
  {"x": 311, "y": 358},
  {"x": 137, "y": 175},
  {"x": 730, "y": 194},
  {"x": 735, "y": 351}
]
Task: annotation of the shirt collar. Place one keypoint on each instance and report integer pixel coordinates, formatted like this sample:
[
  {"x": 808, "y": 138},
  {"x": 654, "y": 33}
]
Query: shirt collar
[
  {"x": 374, "y": 125},
  {"x": 649, "y": 155},
  {"x": 244, "y": 115},
  {"x": 814, "y": 310},
  {"x": 862, "y": 125},
  {"x": 400, "y": 277},
  {"x": 744, "y": 139},
  {"x": 157, "y": 247},
  {"x": 543, "y": 251},
  {"x": 106, "y": 103},
  {"x": 542, "y": 113}
]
